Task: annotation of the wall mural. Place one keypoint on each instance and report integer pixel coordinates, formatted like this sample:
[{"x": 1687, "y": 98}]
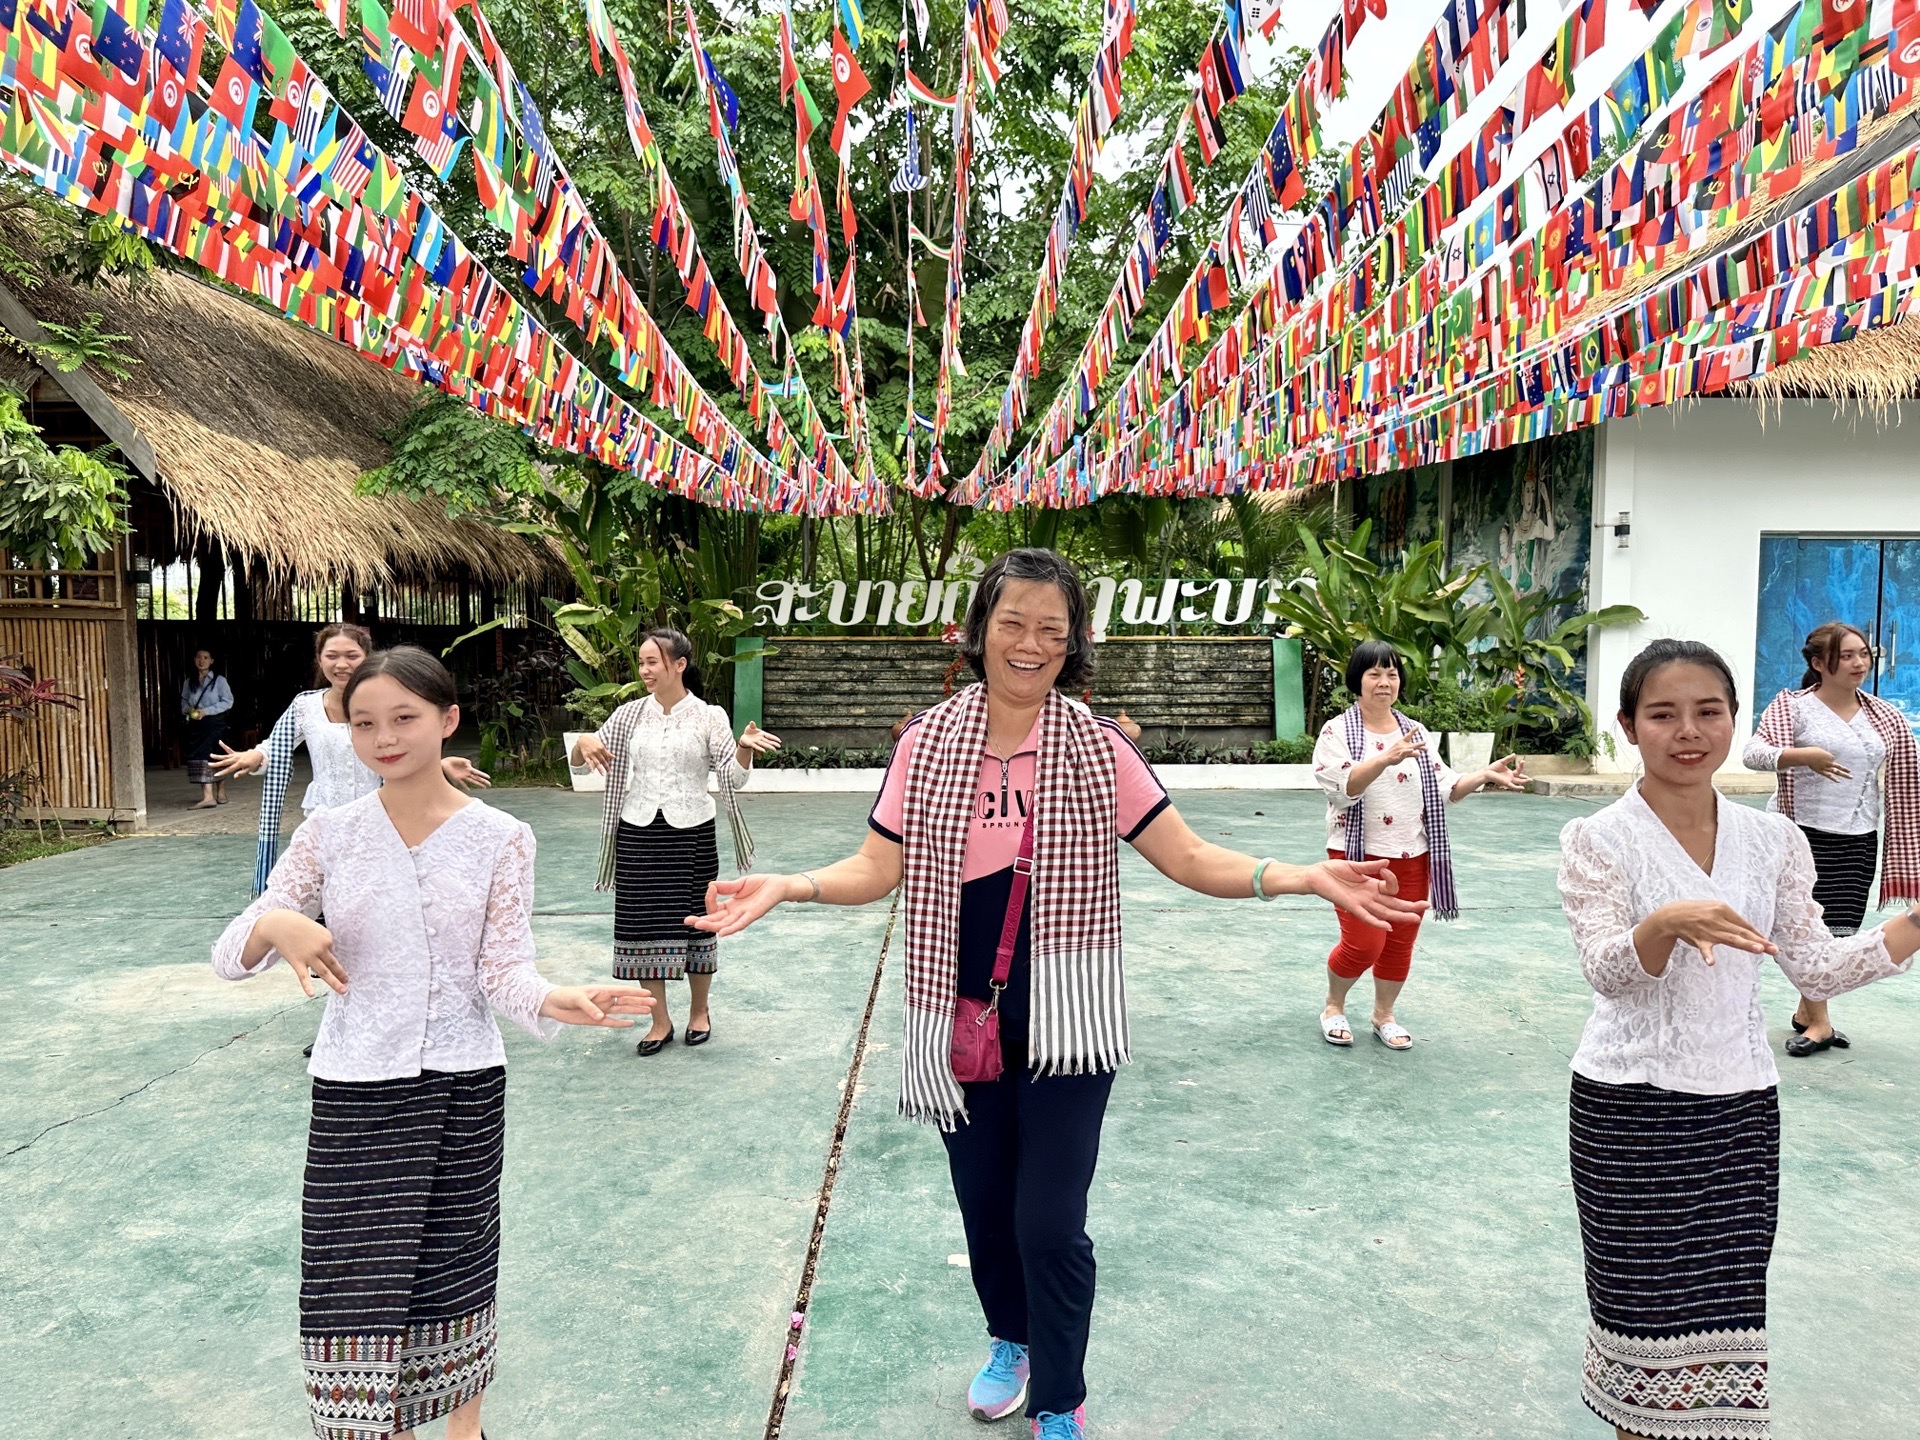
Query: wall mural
[{"x": 1528, "y": 512}]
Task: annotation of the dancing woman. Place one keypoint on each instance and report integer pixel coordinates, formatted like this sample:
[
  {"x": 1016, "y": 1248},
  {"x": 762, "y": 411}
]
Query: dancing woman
[
  {"x": 429, "y": 897},
  {"x": 1387, "y": 797},
  {"x": 1008, "y": 780},
  {"x": 658, "y": 851},
  {"x": 318, "y": 719},
  {"x": 1674, "y": 893},
  {"x": 205, "y": 699},
  {"x": 1849, "y": 741}
]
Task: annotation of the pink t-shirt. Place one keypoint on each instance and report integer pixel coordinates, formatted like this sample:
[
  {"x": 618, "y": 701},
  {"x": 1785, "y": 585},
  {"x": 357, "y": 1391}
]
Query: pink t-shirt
[{"x": 1005, "y": 791}]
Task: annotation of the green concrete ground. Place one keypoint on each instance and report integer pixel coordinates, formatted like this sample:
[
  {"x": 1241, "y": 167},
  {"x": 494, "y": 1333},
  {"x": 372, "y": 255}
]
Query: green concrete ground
[{"x": 1293, "y": 1240}]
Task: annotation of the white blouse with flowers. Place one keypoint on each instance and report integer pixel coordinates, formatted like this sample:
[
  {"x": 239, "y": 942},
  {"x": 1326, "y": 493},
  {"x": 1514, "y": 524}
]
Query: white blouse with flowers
[
  {"x": 432, "y": 937},
  {"x": 1696, "y": 1027},
  {"x": 1396, "y": 815}
]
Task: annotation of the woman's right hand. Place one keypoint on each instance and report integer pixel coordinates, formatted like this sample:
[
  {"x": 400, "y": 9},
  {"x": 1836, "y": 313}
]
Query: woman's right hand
[
  {"x": 1366, "y": 889},
  {"x": 732, "y": 905},
  {"x": 1824, "y": 763},
  {"x": 593, "y": 754},
  {"x": 1702, "y": 924},
  {"x": 306, "y": 945},
  {"x": 1410, "y": 744},
  {"x": 233, "y": 762}
]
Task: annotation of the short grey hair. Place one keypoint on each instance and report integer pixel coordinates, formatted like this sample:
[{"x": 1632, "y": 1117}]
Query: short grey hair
[{"x": 1046, "y": 567}]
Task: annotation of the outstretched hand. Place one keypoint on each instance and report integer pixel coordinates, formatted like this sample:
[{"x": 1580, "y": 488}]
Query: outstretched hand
[
  {"x": 231, "y": 762},
  {"x": 760, "y": 742},
  {"x": 462, "y": 771},
  {"x": 732, "y": 905},
  {"x": 1365, "y": 889},
  {"x": 602, "y": 1005},
  {"x": 1507, "y": 774}
]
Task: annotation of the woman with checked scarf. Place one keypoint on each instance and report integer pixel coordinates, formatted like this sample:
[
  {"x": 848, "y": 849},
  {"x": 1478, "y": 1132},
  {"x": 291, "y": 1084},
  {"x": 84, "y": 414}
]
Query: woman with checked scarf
[{"x": 951, "y": 829}]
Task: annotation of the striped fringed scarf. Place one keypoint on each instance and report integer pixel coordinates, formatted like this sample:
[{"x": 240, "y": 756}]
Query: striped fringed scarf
[
  {"x": 1900, "y": 863},
  {"x": 1433, "y": 813},
  {"x": 1078, "y": 1018},
  {"x": 617, "y": 735}
]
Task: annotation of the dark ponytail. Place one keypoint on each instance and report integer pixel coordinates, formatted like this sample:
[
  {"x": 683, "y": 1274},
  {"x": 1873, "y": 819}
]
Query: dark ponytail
[
  {"x": 674, "y": 645},
  {"x": 1823, "y": 644},
  {"x": 1662, "y": 653}
]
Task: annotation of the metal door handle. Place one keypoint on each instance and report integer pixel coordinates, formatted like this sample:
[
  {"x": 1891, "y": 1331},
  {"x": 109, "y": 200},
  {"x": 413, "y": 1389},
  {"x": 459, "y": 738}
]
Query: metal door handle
[{"x": 1893, "y": 652}]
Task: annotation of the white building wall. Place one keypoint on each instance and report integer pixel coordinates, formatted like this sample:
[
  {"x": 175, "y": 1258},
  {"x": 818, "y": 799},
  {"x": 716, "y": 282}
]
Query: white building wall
[{"x": 1701, "y": 482}]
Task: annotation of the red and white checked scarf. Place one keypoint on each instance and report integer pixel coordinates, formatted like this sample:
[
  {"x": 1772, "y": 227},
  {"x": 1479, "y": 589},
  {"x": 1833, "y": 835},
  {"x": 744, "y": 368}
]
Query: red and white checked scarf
[
  {"x": 1078, "y": 1016},
  {"x": 1900, "y": 862}
]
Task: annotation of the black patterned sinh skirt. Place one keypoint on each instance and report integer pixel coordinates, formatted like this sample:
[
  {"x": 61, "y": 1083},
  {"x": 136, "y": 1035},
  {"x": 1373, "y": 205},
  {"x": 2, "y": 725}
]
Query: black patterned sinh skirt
[
  {"x": 1843, "y": 868},
  {"x": 1679, "y": 1196},
  {"x": 400, "y": 1249},
  {"x": 198, "y": 739},
  {"x": 660, "y": 876}
]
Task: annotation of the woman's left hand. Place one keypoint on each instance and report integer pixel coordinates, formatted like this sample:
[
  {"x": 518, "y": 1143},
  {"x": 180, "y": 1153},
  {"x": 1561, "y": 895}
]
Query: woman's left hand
[
  {"x": 1365, "y": 889},
  {"x": 600, "y": 1005},
  {"x": 462, "y": 771},
  {"x": 1507, "y": 774},
  {"x": 759, "y": 741}
]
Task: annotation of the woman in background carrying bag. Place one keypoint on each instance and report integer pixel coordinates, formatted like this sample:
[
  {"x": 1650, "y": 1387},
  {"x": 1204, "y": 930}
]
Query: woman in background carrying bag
[{"x": 998, "y": 819}]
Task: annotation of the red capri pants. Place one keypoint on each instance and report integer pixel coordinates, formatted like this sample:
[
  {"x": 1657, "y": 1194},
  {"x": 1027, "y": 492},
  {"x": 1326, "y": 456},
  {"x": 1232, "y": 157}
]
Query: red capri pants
[{"x": 1388, "y": 953}]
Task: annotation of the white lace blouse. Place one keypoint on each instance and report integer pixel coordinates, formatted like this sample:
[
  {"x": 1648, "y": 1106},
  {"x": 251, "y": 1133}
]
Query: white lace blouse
[
  {"x": 1396, "y": 812},
  {"x": 338, "y": 775},
  {"x": 1696, "y": 1027},
  {"x": 669, "y": 759},
  {"x": 429, "y": 937},
  {"x": 1840, "y": 807}
]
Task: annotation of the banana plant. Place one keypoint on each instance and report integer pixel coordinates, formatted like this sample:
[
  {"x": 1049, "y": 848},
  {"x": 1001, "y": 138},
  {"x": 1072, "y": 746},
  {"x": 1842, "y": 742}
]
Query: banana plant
[
  {"x": 1343, "y": 598},
  {"x": 1524, "y": 664}
]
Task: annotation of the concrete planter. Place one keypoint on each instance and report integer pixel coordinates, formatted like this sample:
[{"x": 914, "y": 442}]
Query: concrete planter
[{"x": 1469, "y": 750}]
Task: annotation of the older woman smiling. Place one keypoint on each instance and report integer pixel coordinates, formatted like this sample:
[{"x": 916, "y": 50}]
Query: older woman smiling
[{"x": 1006, "y": 786}]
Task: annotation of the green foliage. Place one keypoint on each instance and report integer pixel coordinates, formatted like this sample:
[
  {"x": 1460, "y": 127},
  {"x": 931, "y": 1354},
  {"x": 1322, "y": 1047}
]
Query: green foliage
[
  {"x": 1524, "y": 665},
  {"x": 67, "y": 348},
  {"x": 1343, "y": 598},
  {"x": 57, "y": 507},
  {"x": 446, "y": 449}
]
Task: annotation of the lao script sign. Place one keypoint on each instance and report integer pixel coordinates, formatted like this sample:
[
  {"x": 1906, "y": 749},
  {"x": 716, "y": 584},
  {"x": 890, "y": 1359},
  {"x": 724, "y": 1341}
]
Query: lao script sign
[{"x": 912, "y": 604}]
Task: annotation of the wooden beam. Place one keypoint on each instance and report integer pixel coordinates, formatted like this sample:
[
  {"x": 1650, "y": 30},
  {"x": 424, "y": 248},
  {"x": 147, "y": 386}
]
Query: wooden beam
[{"x": 83, "y": 391}]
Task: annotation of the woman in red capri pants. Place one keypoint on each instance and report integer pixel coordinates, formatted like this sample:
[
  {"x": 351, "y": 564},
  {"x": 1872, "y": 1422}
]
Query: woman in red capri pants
[{"x": 1387, "y": 797}]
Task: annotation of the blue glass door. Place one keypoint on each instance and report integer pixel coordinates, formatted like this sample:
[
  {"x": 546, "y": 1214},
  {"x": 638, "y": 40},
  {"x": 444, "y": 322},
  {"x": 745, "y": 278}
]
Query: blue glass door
[
  {"x": 1898, "y": 680},
  {"x": 1806, "y": 581}
]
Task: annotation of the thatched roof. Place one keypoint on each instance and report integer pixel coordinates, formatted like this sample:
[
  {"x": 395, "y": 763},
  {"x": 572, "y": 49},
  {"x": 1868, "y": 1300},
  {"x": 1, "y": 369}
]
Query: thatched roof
[{"x": 257, "y": 428}]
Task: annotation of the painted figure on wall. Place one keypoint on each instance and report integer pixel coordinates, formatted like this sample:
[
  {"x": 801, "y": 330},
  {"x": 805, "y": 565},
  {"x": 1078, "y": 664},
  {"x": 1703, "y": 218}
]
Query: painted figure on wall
[{"x": 1526, "y": 541}]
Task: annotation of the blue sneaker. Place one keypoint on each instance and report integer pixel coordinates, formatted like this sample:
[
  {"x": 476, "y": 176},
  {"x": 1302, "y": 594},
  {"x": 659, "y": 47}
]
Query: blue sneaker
[
  {"x": 1048, "y": 1425},
  {"x": 1001, "y": 1386}
]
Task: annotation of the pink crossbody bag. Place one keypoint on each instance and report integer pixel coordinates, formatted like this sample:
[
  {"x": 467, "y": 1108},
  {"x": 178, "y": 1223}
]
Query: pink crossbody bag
[{"x": 976, "y": 1023}]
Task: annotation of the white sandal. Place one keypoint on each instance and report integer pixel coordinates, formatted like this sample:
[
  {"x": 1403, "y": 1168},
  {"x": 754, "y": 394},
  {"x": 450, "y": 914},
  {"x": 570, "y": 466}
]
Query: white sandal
[
  {"x": 1394, "y": 1036},
  {"x": 1331, "y": 1023}
]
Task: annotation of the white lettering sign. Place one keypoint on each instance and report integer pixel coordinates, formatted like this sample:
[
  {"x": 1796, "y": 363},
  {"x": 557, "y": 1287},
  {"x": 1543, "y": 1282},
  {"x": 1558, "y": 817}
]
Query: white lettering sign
[{"x": 915, "y": 604}]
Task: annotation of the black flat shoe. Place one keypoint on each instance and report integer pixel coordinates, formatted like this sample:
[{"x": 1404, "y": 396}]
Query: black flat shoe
[
  {"x": 654, "y": 1047},
  {"x": 1800, "y": 1047},
  {"x": 1840, "y": 1041},
  {"x": 308, "y": 1051},
  {"x": 698, "y": 1037}
]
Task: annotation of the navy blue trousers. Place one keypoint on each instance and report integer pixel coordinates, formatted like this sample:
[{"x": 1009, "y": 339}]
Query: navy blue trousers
[{"x": 1022, "y": 1166}]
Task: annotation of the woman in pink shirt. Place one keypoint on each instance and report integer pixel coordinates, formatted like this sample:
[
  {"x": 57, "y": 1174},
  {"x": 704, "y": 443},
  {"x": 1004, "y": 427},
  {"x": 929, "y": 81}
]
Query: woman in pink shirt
[{"x": 1008, "y": 785}]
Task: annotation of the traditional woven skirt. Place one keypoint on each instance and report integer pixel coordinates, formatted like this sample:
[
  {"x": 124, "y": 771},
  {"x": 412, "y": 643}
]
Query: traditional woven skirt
[
  {"x": 1678, "y": 1197},
  {"x": 197, "y": 739},
  {"x": 399, "y": 1249},
  {"x": 1843, "y": 869},
  {"x": 660, "y": 876}
]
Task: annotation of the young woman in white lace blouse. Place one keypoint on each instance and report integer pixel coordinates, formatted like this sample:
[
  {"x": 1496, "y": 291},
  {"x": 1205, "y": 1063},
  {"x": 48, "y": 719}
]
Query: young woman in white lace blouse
[
  {"x": 429, "y": 898},
  {"x": 1675, "y": 895},
  {"x": 658, "y": 849},
  {"x": 1847, "y": 768}
]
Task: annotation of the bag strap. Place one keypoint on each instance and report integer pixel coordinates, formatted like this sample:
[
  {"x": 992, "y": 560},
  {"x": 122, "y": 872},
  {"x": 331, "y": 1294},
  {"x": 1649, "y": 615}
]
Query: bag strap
[{"x": 1016, "y": 904}]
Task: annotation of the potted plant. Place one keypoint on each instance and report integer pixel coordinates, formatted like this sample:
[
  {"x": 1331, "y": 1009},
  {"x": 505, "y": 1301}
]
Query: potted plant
[{"x": 1467, "y": 716}]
